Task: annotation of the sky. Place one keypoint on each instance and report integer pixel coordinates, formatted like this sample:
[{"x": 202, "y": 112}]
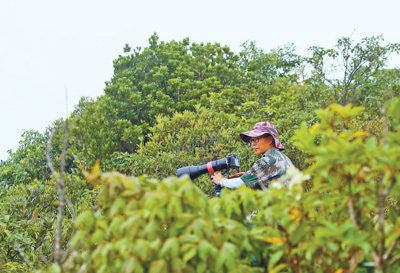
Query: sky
[{"x": 54, "y": 52}]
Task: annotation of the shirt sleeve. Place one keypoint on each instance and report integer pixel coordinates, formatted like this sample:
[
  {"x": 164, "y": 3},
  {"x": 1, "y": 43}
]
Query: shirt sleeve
[
  {"x": 233, "y": 183},
  {"x": 250, "y": 180},
  {"x": 259, "y": 172}
]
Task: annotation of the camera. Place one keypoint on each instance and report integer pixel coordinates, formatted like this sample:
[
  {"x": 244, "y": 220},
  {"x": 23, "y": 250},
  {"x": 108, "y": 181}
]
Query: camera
[{"x": 223, "y": 165}]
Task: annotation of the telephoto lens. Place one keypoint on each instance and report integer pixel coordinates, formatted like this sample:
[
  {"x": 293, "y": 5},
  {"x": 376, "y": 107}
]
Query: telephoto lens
[{"x": 224, "y": 164}]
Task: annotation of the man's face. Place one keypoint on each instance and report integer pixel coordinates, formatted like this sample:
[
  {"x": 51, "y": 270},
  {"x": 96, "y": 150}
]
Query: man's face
[{"x": 262, "y": 144}]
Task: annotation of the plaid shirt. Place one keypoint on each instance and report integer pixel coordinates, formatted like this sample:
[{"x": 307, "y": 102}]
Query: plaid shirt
[{"x": 271, "y": 166}]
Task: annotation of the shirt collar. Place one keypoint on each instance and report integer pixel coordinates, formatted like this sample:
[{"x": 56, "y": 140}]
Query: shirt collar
[{"x": 270, "y": 151}]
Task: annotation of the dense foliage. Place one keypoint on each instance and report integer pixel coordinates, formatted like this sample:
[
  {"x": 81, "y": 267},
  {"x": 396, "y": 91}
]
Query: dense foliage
[
  {"x": 176, "y": 104},
  {"x": 340, "y": 223}
]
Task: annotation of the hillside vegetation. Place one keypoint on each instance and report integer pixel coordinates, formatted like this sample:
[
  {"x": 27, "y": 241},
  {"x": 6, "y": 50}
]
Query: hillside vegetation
[{"x": 109, "y": 201}]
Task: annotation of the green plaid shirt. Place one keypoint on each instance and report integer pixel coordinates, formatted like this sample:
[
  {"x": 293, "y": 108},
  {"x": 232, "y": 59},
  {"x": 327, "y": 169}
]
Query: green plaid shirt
[{"x": 271, "y": 166}]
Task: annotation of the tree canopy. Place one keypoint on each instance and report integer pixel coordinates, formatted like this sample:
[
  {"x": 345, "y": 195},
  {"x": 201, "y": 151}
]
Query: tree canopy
[{"x": 174, "y": 104}]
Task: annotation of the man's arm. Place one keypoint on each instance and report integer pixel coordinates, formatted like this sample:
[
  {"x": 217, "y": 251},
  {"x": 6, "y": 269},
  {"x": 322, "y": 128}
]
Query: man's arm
[{"x": 233, "y": 183}]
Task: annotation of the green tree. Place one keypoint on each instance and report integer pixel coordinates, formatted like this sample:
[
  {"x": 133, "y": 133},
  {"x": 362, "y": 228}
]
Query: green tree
[
  {"x": 167, "y": 77},
  {"x": 341, "y": 223},
  {"x": 358, "y": 62},
  {"x": 384, "y": 86},
  {"x": 174, "y": 104},
  {"x": 28, "y": 162}
]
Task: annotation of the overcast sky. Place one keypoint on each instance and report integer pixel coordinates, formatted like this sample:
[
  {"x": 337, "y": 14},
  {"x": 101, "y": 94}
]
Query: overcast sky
[{"x": 48, "y": 47}]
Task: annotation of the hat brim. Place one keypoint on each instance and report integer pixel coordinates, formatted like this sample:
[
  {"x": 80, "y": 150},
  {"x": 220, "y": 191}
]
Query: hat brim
[{"x": 247, "y": 136}]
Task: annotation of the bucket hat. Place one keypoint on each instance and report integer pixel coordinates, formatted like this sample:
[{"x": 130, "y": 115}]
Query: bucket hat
[{"x": 262, "y": 128}]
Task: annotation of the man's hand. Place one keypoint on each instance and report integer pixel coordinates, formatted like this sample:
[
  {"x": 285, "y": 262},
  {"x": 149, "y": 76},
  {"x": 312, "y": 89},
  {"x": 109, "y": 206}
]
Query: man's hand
[
  {"x": 216, "y": 178},
  {"x": 237, "y": 175}
]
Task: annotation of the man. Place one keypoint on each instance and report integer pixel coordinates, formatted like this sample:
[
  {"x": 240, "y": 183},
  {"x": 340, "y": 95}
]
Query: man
[{"x": 272, "y": 165}]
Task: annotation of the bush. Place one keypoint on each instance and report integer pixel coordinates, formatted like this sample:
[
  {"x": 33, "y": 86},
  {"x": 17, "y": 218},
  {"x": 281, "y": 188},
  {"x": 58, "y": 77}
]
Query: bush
[{"x": 332, "y": 218}]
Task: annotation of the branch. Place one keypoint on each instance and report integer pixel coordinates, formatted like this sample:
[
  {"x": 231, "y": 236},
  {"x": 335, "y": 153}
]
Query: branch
[
  {"x": 66, "y": 252},
  {"x": 71, "y": 208},
  {"x": 350, "y": 203},
  {"x": 48, "y": 160},
  {"x": 384, "y": 128},
  {"x": 375, "y": 256},
  {"x": 395, "y": 259},
  {"x": 356, "y": 68},
  {"x": 61, "y": 190},
  {"x": 83, "y": 267},
  {"x": 354, "y": 262},
  {"x": 323, "y": 75},
  {"x": 40, "y": 254},
  {"x": 69, "y": 248},
  {"x": 381, "y": 227},
  {"x": 22, "y": 254},
  {"x": 61, "y": 197},
  {"x": 389, "y": 251}
]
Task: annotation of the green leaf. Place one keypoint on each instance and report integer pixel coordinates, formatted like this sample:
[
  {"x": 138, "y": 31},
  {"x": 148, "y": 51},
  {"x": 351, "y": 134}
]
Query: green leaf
[
  {"x": 86, "y": 220},
  {"x": 278, "y": 268},
  {"x": 8, "y": 233},
  {"x": 170, "y": 248},
  {"x": 158, "y": 266},
  {"x": 393, "y": 217},
  {"x": 300, "y": 232},
  {"x": 189, "y": 254},
  {"x": 274, "y": 258}
]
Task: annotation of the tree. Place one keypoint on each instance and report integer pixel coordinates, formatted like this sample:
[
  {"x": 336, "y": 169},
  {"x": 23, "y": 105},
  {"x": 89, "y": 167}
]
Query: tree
[
  {"x": 174, "y": 104},
  {"x": 384, "y": 86},
  {"x": 342, "y": 222},
  {"x": 357, "y": 62},
  {"x": 28, "y": 162}
]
